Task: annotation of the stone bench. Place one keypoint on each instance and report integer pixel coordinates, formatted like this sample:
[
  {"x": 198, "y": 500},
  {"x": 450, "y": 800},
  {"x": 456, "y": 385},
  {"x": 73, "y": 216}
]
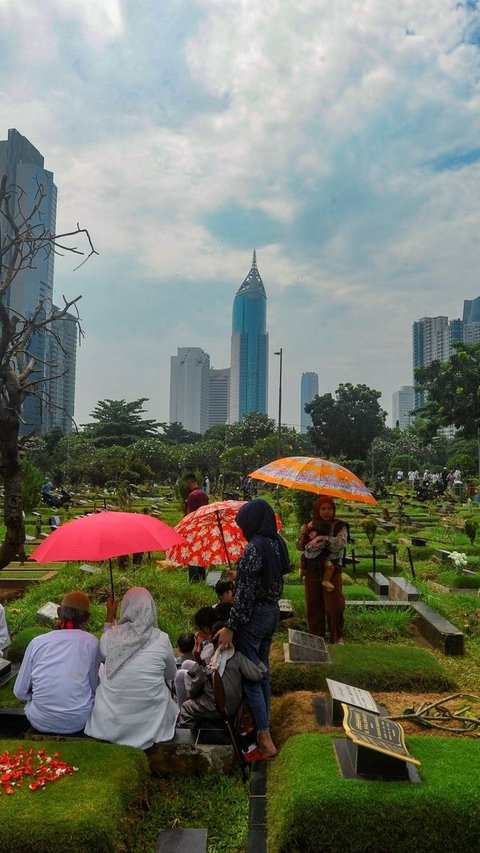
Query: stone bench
[
  {"x": 184, "y": 755},
  {"x": 438, "y": 630},
  {"x": 178, "y": 840},
  {"x": 376, "y": 605},
  {"x": 399, "y": 589},
  {"x": 378, "y": 583},
  {"x": 13, "y": 722}
]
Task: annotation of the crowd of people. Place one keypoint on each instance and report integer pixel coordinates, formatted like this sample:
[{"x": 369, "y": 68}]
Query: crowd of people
[{"x": 129, "y": 688}]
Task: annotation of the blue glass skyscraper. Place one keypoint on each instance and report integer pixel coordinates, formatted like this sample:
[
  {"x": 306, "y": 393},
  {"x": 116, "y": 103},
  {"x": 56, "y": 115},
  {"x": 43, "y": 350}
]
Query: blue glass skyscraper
[{"x": 249, "y": 364}]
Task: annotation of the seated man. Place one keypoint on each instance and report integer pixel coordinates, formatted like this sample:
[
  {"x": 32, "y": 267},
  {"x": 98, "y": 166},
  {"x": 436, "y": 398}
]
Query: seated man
[
  {"x": 4, "y": 635},
  {"x": 59, "y": 673}
]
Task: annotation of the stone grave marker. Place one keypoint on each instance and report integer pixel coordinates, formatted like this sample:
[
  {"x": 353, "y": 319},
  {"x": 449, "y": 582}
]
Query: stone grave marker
[
  {"x": 89, "y": 570},
  {"x": 5, "y": 670},
  {"x": 213, "y": 577},
  {"x": 345, "y": 693},
  {"x": 47, "y": 614},
  {"x": 286, "y": 608},
  {"x": 178, "y": 840},
  {"x": 374, "y": 749},
  {"x": 305, "y": 648}
]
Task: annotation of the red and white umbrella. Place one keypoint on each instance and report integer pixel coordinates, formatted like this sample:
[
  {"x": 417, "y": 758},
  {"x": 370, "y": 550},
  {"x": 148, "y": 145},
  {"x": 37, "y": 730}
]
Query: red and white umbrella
[{"x": 212, "y": 536}]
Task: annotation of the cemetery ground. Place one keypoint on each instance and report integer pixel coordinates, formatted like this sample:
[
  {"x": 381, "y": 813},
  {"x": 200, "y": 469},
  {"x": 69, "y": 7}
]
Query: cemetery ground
[{"x": 112, "y": 803}]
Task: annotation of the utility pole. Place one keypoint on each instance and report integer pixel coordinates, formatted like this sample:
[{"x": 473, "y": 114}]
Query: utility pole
[{"x": 279, "y": 439}]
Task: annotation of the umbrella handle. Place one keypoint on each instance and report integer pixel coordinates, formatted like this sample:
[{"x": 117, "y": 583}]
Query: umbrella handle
[
  {"x": 223, "y": 538},
  {"x": 111, "y": 579}
]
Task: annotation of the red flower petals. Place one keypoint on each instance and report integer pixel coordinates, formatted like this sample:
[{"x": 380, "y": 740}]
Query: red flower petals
[{"x": 32, "y": 764}]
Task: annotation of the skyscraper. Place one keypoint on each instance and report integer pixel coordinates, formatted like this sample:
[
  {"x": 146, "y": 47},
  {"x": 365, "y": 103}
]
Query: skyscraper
[
  {"x": 24, "y": 167},
  {"x": 60, "y": 387},
  {"x": 403, "y": 403},
  {"x": 431, "y": 342},
  {"x": 249, "y": 359},
  {"x": 219, "y": 396},
  {"x": 189, "y": 388},
  {"x": 308, "y": 390}
]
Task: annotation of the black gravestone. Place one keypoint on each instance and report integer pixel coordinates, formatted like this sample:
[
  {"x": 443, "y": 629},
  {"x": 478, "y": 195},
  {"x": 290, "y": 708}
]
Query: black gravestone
[
  {"x": 305, "y": 648},
  {"x": 375, "y": 748}
]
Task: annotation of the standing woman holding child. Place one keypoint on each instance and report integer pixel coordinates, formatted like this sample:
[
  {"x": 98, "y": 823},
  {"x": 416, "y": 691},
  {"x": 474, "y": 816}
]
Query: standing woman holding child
[
  {"x": 324, "y": 600},
  {"x": 255, "y": 614}
]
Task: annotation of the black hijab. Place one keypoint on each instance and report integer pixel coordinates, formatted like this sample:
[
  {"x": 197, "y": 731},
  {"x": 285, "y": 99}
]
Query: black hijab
[{"x": 256, "y": 519}]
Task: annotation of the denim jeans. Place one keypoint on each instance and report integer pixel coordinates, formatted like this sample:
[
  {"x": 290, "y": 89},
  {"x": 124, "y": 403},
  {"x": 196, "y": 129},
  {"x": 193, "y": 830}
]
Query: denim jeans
[{"x": 254, "y": 640}]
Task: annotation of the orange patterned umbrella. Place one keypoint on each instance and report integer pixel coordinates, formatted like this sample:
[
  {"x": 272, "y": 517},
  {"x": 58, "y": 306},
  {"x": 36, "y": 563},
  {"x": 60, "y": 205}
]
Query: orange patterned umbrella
[
  {"x": 212, "y": 535},
  {"x": 312, "y": 474}
]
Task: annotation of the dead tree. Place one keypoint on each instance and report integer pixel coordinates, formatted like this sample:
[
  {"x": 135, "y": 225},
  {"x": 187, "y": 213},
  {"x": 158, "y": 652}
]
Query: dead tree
[{"x": 24, "y": 238}]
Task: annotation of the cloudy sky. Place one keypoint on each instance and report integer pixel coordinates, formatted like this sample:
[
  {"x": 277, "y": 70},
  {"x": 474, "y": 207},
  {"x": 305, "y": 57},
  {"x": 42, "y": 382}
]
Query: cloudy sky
[{"x": 341, "y": 139}]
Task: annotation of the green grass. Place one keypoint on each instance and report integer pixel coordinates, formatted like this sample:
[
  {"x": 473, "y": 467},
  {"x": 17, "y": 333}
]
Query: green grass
[
  {"x": 369, "y": 666},
  {"x": 219, "y": 803},
  {"x": 92, "y": 810},
  {"x": 312, "y": 808}
]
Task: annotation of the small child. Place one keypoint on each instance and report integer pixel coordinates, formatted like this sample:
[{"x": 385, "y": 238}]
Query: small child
[
  {"x": 318, "y": 533},
  {"x": 224, "y": 591},
  {"x": 185, "y": 645}
]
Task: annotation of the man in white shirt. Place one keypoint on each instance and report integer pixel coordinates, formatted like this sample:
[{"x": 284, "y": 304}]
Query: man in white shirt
[
  {"x": 4, "y": 635},
  {"x": 59, "y": 673}
]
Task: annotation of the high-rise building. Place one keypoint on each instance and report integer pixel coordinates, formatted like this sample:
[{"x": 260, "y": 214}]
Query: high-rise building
[
  {"x": 249, "y": 354},
  {"x": 471, "y": 310},
  {"x": 403, "y": 403},
  {"x": 60, "y": 387},
  {"x": 24, "y": 167},
  {"x": 308, "y": 390},
  {"x": 431, "y": 342},
  {"x": 219, "y": 396},
  {"x": 189, "y": 388}
]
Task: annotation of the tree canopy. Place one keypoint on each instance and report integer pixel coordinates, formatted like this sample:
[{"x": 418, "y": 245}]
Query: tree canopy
[
  {"x": 117, "y": 422},
  {"x": 346, "y": 424},
  {"x": 453, "y": 389}
]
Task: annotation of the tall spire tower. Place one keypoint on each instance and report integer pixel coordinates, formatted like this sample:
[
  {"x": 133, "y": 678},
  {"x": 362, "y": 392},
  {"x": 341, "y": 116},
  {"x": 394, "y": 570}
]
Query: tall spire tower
[{"x": 249, "y": 362}]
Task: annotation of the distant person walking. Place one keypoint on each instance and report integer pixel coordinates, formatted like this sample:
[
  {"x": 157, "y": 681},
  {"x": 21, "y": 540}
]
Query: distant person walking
[{"x": 195, "y": 499}]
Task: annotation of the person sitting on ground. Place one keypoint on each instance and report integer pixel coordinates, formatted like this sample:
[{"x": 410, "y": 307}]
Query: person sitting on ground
[
  {"x": 59, "y": 671},
  {"x": 133, "y": 705},
  {"x": 4, "y": 635},
  {"x": 185, "y": 645},
  {"x": 204, "y": 620},
  {"x": 318, "y": 533},
  {"x": 232, "y": 666},
  {"x": 224, "y": 591}
]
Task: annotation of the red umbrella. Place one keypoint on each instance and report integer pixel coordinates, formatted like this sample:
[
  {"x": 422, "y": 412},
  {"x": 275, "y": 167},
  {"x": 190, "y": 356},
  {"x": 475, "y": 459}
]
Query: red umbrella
[
  {"x": 104, "y": 535},
  {"x": 212, "y": 535}
]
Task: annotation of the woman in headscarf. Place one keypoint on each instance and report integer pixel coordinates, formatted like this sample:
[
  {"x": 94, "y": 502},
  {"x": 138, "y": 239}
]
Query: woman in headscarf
[
  {"x": 324, "y": 605},
  {"x": 133, "y": 705},
  {"x": 254, "y": 614}
]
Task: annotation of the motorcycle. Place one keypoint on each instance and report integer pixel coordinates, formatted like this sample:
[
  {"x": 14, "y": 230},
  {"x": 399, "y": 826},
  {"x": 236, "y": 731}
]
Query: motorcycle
[{"x": 52, "y": 499}]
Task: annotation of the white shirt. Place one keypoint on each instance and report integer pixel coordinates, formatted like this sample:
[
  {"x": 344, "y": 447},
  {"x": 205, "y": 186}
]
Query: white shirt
[
  {"x": 134, "y": 706},
  {"x": 57, "y": 679},
  {"x": 4, "y": 635}
]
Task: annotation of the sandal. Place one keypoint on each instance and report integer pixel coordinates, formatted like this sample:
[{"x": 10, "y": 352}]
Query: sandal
[{"x": 256, "y": 755}]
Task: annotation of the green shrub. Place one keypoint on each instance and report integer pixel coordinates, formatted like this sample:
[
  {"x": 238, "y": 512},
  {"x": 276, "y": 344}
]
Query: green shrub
[
  {"x": 457, "y": 581},
  {"x": 20, "y": 642},
  {"x": 369, "y": 666},
  {"x": 312, "y": 808}
]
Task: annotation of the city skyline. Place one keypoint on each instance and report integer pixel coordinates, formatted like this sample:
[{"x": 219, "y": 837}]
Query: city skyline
[{"x": 344, "y": 146}]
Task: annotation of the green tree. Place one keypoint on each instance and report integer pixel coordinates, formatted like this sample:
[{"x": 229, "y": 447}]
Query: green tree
[
  {"x": 162, "y": 458},
  {"x": 117, "y": 422},
  {"x": 175, "y": 433},
  {"x": 252, "y": 427},
  {"x": 346, "y": 424},
  {"x": 31, "y": 485},
  {"x": 453, "y": 389}
]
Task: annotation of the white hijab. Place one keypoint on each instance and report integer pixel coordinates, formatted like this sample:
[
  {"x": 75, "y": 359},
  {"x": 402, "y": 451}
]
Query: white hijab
[{"x": 135, "y": 629}]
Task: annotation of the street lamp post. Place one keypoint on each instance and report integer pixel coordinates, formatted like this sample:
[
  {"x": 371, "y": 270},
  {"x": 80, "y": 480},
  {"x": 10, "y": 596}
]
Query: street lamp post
[{"x": 279, "y": 438}]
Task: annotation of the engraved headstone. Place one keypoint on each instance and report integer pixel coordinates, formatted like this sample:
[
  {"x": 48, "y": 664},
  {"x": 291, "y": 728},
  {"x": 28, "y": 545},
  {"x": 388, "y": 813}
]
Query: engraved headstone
[
  {"x": 375, "y": 748},
  {"x": 350, "y": 696},
  {"x": 305, "y": 648},
  {"x": 213, "y": 577},
  {"x": 48, "y": 614},
  {"x": 89, "y": 570}
]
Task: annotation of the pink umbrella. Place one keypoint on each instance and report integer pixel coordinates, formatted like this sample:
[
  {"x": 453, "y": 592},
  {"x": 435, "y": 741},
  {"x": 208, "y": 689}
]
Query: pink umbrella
[{"x": 105, "y": 535}]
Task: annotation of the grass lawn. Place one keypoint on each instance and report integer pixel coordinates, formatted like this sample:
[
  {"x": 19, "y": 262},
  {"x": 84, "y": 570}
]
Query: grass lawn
[
  {"x": 93, "y": 810},
  {"x": 312, "y": 808}
]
